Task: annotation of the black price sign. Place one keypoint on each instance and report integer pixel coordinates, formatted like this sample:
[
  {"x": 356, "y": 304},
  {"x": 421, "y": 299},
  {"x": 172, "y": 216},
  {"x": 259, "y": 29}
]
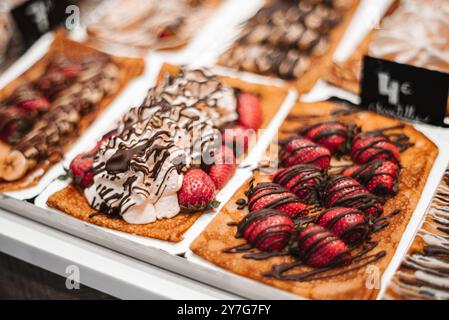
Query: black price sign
[
  {"x": 36, "y": 17},
  {"x": 404, "y": 91}
]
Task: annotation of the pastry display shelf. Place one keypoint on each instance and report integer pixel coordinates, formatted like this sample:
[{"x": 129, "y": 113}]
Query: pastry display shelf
[{"x": 100, "y": 268}]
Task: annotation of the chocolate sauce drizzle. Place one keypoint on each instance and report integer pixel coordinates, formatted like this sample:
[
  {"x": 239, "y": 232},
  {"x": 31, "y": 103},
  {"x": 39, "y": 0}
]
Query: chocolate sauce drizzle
[
  {"x": 423, "y": 274},
  {"x": 351, "y": 195},
  {"x": 174, "y": 129},
  {"x": 365, "y": 173},
  {"x": 266, "y": 189}
]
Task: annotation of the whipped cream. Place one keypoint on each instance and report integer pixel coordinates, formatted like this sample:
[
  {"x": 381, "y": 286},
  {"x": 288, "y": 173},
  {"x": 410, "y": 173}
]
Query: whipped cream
[{"x": 138, "y": 172}]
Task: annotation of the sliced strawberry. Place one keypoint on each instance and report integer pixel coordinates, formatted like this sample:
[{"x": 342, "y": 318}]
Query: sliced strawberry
[
  {"x": 249, "y": 110},
  {"x": 304, "y": 180},
  {"x": 380, "y": 177},
  {"x": 367, "y": 147},
  {"x": 331, "y": 135},
  {"x": 81, "y": 170},
  {"x": 272, "y": 196},
  {"x": 268, "y": 230},
  {"x": 348, "y": 224},
  {"x": 303, "y": 151},
  {"x": 343, "y": 191},
  {"x": 197, "y": 192},
  {"x": 319, "y": 248}
]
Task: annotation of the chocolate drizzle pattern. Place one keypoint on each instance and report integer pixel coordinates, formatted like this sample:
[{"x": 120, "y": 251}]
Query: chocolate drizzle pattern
[
  {"x": 306, "y": 187},
  {"x": 175, "y": 128},
  {"x": 350, "y": 194},
  {"x": 266, "y": 189},
  {"x": 145, "y": 159},
  {"x": 424, "y": 274},
  {"x": 283, "y": 36}
]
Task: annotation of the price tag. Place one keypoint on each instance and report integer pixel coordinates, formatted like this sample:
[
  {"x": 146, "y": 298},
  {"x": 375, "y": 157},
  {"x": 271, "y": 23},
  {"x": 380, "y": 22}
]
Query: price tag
[
  {"x": 36, "y": 17},
  {"x": 404, "y": 91}
]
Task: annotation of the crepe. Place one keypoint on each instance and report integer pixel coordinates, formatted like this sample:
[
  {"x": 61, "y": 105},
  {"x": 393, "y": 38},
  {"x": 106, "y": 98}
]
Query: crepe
[
  {"x": 71, "y": 201},
  {"x": 417, "y": 162},
  {"x": 423, "y": 272},
  {"x": 142, "y": 25},
  {"x": 129, "y": 68},
  {"x": 318, "y": 63}
]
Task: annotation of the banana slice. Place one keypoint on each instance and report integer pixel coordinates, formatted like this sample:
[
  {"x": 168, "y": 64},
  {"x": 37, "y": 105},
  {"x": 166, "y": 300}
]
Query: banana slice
[{"x": 13, "y": 166}]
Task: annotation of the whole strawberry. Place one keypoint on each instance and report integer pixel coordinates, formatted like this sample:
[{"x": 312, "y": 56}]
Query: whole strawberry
[
  {"x": 268, "y": 230},
  {"x": 81, "y": 170},
  {"x": 379, "y": 177},
  {"x": 197, "y": 192},
  {"x": 249, "y": 110},
  {"x": 224, "y": 166},
  {"x": 348, "y": 224},
  {"x": 332, "y": 135},
  {"x": 304, "y": 151},
  {"x": 81, "y": 166},
  {"x": 367, "y": 147},
  {"x": 268, "y": 195},
  {"x": 304, "y": 180},
  {"x": 237, "y": 138},
  {"x": 319, "y": 248},
  {"x": 343, "y": 191}
]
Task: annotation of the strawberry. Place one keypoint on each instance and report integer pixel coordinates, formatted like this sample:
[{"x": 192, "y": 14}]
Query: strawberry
[
  {"x": 268, "y": 230},
  {"x": 81, "y": 170},
  {"x": 367, "y": 147},
  {"x": 14, "y": 123},
  {"x": 249, "y": 110},
  {"x": 303, "y": 151},
  {"x": 29, "y": 99},
  {"x": 224, "y": 166},
  {"x": 343, "y": 191},
  {"x": 348, "y": 224},
  {"x": 197, "y": 192},
  {"x": 268, "y": 195},
  {"x": 331, "y": 135},
  {"x": 319, "y": 248},
  {"x": 379, "y": 177},
  {"x": 237, "y": 138},
  {"x": 60, "y": 73},
  {"x": 304, "y": 180}
]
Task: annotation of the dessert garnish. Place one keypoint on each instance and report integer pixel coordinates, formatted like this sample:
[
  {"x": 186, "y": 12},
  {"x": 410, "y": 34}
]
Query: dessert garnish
[
  {"x": 304, "y": 180},
  {"x": 303, "y": 151}
]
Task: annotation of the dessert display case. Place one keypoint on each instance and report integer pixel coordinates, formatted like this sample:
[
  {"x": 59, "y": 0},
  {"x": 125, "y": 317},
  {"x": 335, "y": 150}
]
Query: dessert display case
[{"x": 123, "y": 199}]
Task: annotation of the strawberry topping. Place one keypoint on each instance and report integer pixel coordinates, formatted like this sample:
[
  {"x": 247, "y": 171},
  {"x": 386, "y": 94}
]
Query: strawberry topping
[
  {"x": 268, "y": 230},
  {"x": 303, "y": 151}
]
